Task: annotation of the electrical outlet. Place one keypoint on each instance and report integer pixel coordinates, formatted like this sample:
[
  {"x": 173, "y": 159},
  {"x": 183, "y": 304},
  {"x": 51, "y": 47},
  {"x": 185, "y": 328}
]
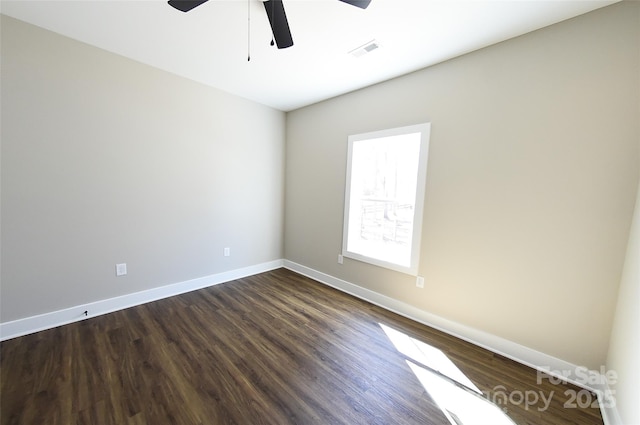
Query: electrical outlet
[
  {"x": 420, "y": 282},
  {"x": 227, "y": 252},
  {"x": 340, "y": 259},
  {"x": 121, "y": 269}
]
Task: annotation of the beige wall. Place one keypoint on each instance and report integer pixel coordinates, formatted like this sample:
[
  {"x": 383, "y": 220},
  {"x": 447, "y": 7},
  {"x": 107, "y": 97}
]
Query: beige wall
[
  {"x": 105, "y": 160},
  {"x": 533, "y": 169}
]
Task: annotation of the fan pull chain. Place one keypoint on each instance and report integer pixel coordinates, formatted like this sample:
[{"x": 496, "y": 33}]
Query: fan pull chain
[
  {"x": 248, "y": 30},
  {"x": 273, "y": 14}
]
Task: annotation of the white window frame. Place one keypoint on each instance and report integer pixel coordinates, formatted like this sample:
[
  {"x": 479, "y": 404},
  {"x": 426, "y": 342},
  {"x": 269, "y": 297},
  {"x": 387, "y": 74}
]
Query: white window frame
[{"x": 416, "y": 234}]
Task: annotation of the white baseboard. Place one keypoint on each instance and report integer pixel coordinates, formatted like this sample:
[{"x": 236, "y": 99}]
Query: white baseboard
[
  {"x": 606, "y": 397},
  {"x": 53, "y": 319},
  {"x": 558, "y": 368}
]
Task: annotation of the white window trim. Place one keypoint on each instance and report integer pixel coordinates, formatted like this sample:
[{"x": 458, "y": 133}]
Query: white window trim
[{"x": 425, "y": 130}]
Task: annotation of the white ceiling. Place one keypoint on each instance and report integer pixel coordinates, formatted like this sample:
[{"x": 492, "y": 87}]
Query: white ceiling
[{"x": 210, "y": 43}]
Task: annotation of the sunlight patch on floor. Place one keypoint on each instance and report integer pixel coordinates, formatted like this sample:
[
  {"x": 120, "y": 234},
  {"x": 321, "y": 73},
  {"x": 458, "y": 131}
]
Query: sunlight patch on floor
[{"x": 461, "y": 401}]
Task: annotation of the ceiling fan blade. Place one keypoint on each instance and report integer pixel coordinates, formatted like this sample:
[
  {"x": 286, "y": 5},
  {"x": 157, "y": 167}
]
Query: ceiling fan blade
[
  {"x": 362, "y": 4},
  {"x": 185, "y": 5},
  {"x": 279, "y": 23}
]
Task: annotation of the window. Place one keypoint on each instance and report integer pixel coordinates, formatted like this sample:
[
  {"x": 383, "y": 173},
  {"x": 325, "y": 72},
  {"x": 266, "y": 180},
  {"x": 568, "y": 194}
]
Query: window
[{"x": 386, "y": 175}]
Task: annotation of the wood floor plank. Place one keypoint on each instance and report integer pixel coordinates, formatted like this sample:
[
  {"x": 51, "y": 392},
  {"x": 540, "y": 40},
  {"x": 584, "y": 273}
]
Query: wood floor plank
[{"x": 275, "y": 348}]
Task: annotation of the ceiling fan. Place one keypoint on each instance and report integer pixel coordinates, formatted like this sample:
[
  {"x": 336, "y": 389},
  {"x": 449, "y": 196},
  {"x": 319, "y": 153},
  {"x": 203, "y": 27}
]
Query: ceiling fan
[{"x": 275, "y": 13}]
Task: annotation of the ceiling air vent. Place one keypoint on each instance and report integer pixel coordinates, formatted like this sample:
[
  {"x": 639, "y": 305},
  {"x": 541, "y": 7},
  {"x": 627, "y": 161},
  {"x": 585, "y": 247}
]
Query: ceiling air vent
[{"x": 365, "y": 48}]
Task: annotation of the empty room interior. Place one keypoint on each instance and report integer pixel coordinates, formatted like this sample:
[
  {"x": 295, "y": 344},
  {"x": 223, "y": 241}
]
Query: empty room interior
[{"x": 178, "y": 213}]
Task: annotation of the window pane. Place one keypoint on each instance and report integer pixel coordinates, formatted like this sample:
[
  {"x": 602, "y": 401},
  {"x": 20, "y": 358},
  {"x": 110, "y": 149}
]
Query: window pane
[{"x": 383, "y": 189}]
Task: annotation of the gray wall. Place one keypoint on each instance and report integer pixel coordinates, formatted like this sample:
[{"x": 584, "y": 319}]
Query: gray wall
[
  {"x": 532, "y": 178},
  {"x": 105, "y": 160}
]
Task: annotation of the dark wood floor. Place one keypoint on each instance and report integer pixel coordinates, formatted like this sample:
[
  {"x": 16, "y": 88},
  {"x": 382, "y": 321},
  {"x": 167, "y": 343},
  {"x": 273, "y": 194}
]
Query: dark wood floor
[{"x": 275, "y": 348}]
